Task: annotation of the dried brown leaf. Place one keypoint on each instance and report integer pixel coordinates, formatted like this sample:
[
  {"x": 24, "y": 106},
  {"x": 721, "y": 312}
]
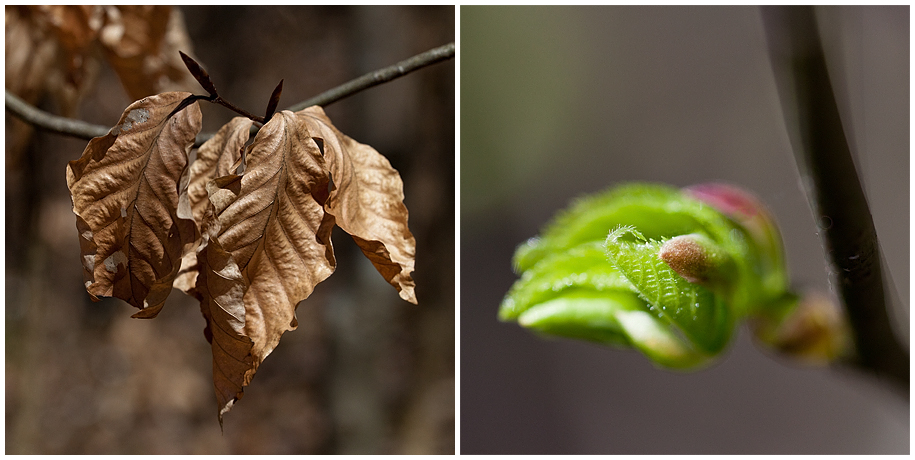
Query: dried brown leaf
[
  {"x": 272, "y": 223},
  {"x": 48, "y": 50},
  {"x": 141, "y": 43},
  {"x": 30, "y": 53},
  {"x": 367, "y": 201},
  {"x": 222, "y": 288},
  {"x": 125, "y": 191},
  {"x": 215, "y": 158},
  {"x": 48, "y": 54}
]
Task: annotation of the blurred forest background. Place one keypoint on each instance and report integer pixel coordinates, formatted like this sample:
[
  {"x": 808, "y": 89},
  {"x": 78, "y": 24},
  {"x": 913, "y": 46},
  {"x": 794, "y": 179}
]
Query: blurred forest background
[
  {"x": 365, "y": 372},
  {"x": 560, "y": 102}
]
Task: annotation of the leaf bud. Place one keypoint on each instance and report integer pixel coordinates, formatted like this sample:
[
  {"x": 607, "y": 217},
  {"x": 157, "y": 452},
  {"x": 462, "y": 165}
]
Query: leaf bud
[
  {"x": 697, "y": 259},
  {"x": 815, "y": 331},
  {"x": 747, "y": 210}
]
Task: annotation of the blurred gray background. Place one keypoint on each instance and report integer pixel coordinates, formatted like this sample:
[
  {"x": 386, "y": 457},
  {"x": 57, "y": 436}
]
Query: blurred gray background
[{"x": 560, "y": 102}]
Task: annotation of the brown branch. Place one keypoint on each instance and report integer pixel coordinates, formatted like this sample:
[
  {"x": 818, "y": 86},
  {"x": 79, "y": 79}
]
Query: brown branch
[
  {"x": 80, "y": 129},
  {"x": 53, "y": 123},
  {"x": 378, "y": 77},
  {"x": 834, "y": 189}
]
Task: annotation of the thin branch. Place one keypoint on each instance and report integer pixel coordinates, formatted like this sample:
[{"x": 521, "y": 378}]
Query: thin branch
[
  {"x": 219, "y": 100},
  {"x": 366, "y": 81},
  {"x": 80, "y": 129},
  {"x": 834, "y": 189},
  {"x": 378, "y": 77},
  {"x": 52, "y": 123}
]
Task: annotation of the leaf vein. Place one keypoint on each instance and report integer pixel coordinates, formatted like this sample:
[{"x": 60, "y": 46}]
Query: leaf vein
[{"x": 219, "y": 325}]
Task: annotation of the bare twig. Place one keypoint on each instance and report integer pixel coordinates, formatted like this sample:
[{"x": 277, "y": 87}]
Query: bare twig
[
  {"x": 833, "y": 188},
  {"x": 83, "y": 130},
  {"x": 53, "y": 123},
  {"x": 378, "y": 77},
  {"x": 203, "y": 78},
  {"x": 219, "y": 100}
]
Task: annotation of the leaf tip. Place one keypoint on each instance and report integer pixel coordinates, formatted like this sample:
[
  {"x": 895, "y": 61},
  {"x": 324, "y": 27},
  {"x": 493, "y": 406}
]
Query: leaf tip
[
  {"x": 612, "y": 243},
  {"x": 222, "y": 412},
  {"x": 409, "y": 295}
]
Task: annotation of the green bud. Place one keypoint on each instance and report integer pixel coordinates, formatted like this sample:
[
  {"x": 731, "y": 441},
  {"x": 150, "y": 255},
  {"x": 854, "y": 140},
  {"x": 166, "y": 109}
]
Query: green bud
[
  {"x": 665, "y": 271},
  {"x": 813, "y": 329},
  {"x": 754, "y": 217}
]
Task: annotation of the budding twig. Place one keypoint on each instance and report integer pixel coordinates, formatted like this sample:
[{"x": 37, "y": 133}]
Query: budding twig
[
  {"x": 824, "y": 156},
  {"x": 82, "y": 130},
  {"x": 204, "y": 79}
]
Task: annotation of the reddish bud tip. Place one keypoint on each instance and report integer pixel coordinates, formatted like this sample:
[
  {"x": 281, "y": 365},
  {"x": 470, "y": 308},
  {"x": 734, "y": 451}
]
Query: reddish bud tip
[
  {"x": 686, "y": 256},
  {"x": 698, "y": 260},
  {"x": 748, "y": 211}
]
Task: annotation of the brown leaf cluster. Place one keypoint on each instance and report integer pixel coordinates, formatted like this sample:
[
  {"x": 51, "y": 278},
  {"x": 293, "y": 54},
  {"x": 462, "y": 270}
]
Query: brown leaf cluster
[
  {"x": 248, "y": 245},
  {"x": 54, "y": 48},
  {"x": 57, "y": 50}
]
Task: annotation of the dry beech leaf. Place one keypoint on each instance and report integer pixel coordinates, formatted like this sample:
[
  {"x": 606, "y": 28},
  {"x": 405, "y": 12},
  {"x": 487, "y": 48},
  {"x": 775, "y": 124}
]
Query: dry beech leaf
[
  {"x": 47, "y": 54},
  {"x": 221, "y": 291},
  {"x": 141, "y": 43},
  {"x": 125, "y": 191},
  {"x": 76, "y": 28},
  {"x": 54, "y": 48},
  {"x": 367, "y": 201},
  {"x": 48, "y": 50},
  {"x": 215, "y": 158},
  {"x": 272, "y": 224},
  {"x": 219, "y": 286},
  {"x": 30, "y": 58},
  {"x": 31, "y": 53}
]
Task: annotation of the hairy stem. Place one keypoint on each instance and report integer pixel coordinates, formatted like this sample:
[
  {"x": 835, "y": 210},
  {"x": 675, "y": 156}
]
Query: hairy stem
[
  {"x": 834, "y": 189},
  {"x": 82, "y": 130}
]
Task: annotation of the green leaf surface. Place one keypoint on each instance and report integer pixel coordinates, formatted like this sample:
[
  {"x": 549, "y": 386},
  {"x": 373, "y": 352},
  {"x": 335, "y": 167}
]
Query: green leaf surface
[
  {"x": 656, "y": 340},
  {"x": 699, "y": 314},
  {"x": 657, "y": 211},
  {"x": 581, "y": 268},
  {"x": 584, "y": 315},
  {"x": 595, "y": 274}
]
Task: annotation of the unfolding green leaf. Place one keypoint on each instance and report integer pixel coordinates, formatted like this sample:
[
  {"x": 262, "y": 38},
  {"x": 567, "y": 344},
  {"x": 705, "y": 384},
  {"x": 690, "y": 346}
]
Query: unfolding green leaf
[
  {"x": 581, "y": 268},
  {"x": 703, "y": 317},
  {"x": 651, "y": 267}
]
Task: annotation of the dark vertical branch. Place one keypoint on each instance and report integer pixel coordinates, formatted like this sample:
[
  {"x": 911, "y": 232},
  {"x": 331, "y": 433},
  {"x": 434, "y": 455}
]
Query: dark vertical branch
[{"x": 833, "y": 188}]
